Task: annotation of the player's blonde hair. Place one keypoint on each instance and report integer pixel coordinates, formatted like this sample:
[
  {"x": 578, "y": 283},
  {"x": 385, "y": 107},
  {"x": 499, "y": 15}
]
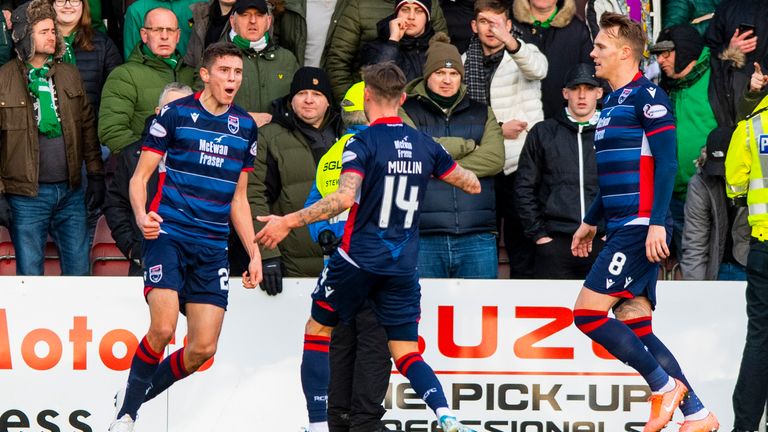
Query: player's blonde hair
[{"x": 625, "y": 29}]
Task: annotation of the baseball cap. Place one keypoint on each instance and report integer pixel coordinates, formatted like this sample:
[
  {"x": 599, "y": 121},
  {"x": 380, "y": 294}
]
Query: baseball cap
[
  {"x": 582, "y": 73},
  {"x": 353, "y": 99},
  {"x": 717, "y": 147},
  {"x": 661, "y": 46},
  {"x": 243, "y": 5}
]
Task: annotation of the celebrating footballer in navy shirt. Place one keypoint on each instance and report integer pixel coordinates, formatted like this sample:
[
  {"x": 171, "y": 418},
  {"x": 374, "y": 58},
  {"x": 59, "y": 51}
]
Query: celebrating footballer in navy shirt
[
  {"x": 385, "y": 170},
  {"x": 635, "y": 148},
  {"x": 204, "y": 147}
]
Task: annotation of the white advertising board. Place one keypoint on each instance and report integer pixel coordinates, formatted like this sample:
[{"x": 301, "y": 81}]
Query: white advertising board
[{"x": 506, "y": 352}]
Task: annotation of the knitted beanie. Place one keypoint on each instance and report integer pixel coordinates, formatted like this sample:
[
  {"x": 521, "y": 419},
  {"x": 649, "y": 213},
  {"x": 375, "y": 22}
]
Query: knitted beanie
[
  {"x": 441, "y": 54},
  {"x": 424, "y": 4},
  {"x": 311, "y": 78}
]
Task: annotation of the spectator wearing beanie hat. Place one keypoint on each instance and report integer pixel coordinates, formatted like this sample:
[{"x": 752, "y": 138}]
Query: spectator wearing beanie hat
[
  {"x": 685, "y": 65},
  {"x": 403, "y": 38},
  {"x": 353, "y": 25},
  {"x": 439, "y": 106},
  {"x": 304, "y": 126}
]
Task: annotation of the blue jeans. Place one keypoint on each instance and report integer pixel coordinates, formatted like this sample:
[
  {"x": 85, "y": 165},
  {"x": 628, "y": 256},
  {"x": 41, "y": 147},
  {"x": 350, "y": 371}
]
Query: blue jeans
[
  {"x": 468, "y": 256},
  {"x": 56, "y": 209},
  {"x": 732, "y": 272}
]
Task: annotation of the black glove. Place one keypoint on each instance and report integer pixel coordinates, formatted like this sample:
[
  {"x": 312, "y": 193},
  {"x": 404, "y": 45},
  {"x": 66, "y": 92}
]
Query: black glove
[
  {"x": 5, "y": 212},
  {"x": 328, "y": 242},
  {"x": 135, "y": 253},
  {"x": 272, "y": 271},
  {"x": 95, "y": 192}
]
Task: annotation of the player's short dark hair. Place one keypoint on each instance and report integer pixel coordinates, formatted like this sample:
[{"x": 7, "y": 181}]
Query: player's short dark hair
[
  {"x": 627, "y": 30},
  {"x": 494, "y": 6},
  {"x": 218, "y": 50},
  {"x": 385, "y": 80}
]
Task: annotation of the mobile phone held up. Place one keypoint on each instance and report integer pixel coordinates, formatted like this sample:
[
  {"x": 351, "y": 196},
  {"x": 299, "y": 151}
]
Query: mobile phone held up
[{"x": 745, "y": 27}]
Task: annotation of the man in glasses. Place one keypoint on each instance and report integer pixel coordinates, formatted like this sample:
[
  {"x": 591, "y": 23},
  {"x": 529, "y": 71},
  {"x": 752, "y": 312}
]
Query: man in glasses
[
  {"x": 137, "y": 11},
  {"x": 685, "y": 65},
  {"x": 132, "y": 89}
]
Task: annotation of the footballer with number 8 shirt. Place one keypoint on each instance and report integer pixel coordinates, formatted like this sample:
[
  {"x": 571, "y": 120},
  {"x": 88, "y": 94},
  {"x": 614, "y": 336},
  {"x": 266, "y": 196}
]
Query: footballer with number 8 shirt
[
  {"x": 635, "y": 148},
  {"x": 385, "y": 171},
  {"x": 204, "y": 147}
]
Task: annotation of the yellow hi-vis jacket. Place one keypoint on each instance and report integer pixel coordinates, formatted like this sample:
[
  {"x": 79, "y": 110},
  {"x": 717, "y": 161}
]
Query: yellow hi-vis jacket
[{"x": 746, "y": 167}]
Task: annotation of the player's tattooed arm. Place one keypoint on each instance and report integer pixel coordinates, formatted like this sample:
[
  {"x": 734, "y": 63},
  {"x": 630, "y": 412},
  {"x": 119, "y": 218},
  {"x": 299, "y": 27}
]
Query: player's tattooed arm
[
  {"x": 463, "y": 179},
  {"x": 335, "y": 203},
  {"x": 278, "y": 227}
]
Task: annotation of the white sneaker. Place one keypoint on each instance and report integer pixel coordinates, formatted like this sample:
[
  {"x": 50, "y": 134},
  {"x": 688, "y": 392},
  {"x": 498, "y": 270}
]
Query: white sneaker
[
  {"x": 450, "y": 424},
  {"x": 124, "y": 424}
]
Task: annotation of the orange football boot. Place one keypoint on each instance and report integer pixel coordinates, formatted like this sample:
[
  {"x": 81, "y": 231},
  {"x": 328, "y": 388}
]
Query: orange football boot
[
  {"x": 663, "y": 406},
  {"x": 707, "y": 424}
]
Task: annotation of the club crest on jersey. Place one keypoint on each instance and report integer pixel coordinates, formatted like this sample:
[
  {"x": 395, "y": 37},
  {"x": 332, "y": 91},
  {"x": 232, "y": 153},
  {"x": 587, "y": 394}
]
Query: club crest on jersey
[
  {"x": 233, "y": 123},
  {"x": 254, "y": 148},
  {"x": 157, "y": 129},
  {"x": 624, "y": 95},
  {"x": 654, "y": 111},
  {"x": 156, "y": 273}
]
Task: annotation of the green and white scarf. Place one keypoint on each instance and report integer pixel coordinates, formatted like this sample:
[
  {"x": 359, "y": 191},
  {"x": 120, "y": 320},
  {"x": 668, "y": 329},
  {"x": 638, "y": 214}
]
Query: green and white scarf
[
  {"x": 171, "y": 61},
  {"x": 69, "y": 54},
  {"x": 41, "y": 88},
  {"x": 245, "y": 45}
]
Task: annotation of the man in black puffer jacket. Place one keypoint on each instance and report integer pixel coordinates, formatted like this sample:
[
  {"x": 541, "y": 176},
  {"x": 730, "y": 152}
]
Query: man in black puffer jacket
[
  {"x": 457, "y": 231},
  {"x": 557, "y": 178},
  {"x": 403, "y": 39}
]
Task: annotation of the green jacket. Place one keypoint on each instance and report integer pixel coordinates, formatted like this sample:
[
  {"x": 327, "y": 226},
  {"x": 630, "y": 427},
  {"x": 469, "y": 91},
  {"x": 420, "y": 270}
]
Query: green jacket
[
  {"x": 283, "y": 174},
  {"x": 694, "y": 119},
  {"x": 290, "y": 28},
  {"x": 693, "y": 12},
  {"x": 134, "y": 21},
  {"x": 354, "y": 24},
  {"x": 96, "y": 20},
  {"x": 130, "y": 95},
  {"x": 267, "y": 76}
]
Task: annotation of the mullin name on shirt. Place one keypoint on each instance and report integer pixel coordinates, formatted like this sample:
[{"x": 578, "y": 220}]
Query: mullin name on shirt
[
  {"x": 216, "y": 148},
  {"x": 404, "y": 150}
]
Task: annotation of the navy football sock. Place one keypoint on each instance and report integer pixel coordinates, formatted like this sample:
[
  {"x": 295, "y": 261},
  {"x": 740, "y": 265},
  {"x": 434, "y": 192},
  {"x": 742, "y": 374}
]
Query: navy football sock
[
  {"x": 315, "y": 374},
  {"x": 423, "y": 380},
  {"x": 644, "y": 330},
  {"x": 143, "y": 366},
  {"x": 620, "y": 341},
  {"x": 170, "y": 370}
]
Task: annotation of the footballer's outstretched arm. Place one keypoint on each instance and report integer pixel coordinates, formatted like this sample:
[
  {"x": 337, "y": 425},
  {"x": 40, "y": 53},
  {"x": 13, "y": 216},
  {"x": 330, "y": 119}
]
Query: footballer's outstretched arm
[
  {"x": 463, "y": 179},
  {"x": 277, "y": 227}
]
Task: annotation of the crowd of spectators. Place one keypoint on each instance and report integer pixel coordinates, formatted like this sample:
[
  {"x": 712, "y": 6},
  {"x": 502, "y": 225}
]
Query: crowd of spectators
[{"x": 506, "y": 86}]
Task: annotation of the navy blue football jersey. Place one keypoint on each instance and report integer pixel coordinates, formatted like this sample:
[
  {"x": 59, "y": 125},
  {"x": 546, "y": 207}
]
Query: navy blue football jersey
[
  {"x": 396, "y": 162},
  {"x": 203, "y": 156},
  {"x": 635, "y": 148}
]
